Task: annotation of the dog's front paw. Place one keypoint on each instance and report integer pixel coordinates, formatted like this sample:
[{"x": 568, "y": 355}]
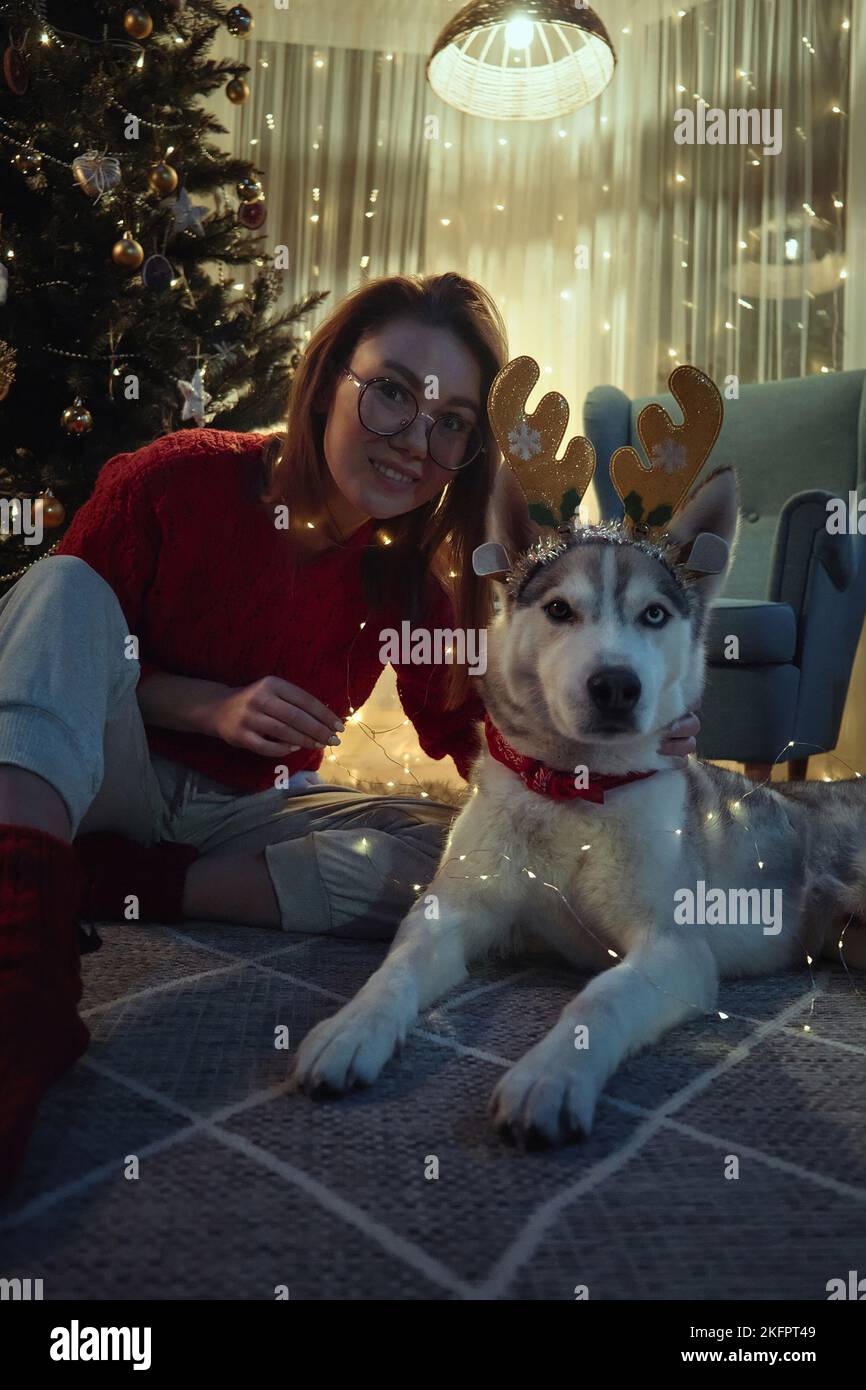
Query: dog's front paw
[
  {"x": 537, "y": 1106},
  {"x": 349, "y": 1049}
]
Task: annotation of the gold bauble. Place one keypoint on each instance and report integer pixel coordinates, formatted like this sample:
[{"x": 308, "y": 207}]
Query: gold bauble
[
  {"x": 239, "y": 21},
  {"x": 7, "y": 367},
  {"x": 137, "y": 22},
  {"x": 248, "y": 189},
  {"x": 28, "y": 161},
  {"x": 237, "y": 90},
  {"x": 127, "y": 253},
  {"x": 162, "y": 178},
  {"x": 50, "y": 509},
  {"x": 76, "y": 418}
]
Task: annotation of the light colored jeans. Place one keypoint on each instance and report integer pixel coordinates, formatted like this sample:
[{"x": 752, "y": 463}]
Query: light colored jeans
[{"x": 69, "y": 712}]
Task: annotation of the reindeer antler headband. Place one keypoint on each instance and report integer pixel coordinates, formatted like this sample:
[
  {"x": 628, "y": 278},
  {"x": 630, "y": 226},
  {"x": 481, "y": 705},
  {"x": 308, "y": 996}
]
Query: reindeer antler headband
[{"x": 554, "y": 488}]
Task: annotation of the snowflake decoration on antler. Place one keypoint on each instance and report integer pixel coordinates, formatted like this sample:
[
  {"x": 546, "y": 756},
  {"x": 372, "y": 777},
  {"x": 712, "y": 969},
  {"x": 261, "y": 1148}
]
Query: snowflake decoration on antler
[
  {"x": 669, "y": 456},
  {"x": 524, "y": 441}
]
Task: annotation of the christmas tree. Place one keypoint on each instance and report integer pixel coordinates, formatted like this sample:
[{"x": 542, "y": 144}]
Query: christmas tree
[{"x": 119, "y": 320}]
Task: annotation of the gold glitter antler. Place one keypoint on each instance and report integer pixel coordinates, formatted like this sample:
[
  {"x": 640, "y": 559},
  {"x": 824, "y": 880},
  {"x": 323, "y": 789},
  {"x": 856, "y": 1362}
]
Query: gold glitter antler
[
  {"x": 553, "y": 487},
  {"x": 677, "y": 453}
]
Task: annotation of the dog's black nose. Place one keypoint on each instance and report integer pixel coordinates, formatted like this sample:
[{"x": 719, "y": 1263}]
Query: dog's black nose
[{"x": 614, "y": 689}]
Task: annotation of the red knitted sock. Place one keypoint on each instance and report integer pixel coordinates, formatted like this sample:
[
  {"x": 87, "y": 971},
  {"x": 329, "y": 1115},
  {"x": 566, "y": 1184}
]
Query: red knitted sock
[
  {"x": 41, "y": 1034},
  {"x": 114, "y": 868}
]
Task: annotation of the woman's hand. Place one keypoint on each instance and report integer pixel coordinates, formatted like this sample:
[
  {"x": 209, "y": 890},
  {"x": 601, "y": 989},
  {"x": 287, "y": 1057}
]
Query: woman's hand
[
  {"x": 679, "y": 740},
  {"x": 273, "y": 717}
]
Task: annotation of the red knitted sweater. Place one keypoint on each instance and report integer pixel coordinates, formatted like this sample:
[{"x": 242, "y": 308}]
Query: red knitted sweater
[{"x": 207, "y": 584}]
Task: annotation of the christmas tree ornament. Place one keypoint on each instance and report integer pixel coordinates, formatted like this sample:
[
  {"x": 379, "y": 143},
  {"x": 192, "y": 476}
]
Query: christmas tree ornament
[
  {"x": 7, "y": 368},
  {"x": 253, "y": 215},
  {"x": 239, "y": 21},
  {"x": 186, "y": 215},
  {"x": 10, "y": 520},
  {"x": 137, "y": 22},
  {"x": 15, "y": 71},
  {"x": 195, "y": 398},
  {"x": 162, "y": 178},
  {"x": 249, "y": 189},
  {"x": 76, "y": 418},
  {"x": 127, "y": 253},
  {"x": 237, "y": 90},
  {"x": 50, "y": 510},
  {"x": 28, "y": 161},
  {"x": 96, "y": 173},
  {"x": 157, "y": 274},
  {"x": 175, "y": 7}
]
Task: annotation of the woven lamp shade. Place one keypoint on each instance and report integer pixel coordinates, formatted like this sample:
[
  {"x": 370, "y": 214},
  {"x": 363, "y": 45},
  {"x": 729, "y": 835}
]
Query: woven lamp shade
[{"x": 482, "y": 64}]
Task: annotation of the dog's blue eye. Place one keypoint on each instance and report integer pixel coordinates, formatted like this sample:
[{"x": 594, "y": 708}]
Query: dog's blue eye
[
  {"x": 558, "y": 610},
  {"x": 655, "y": 615}
]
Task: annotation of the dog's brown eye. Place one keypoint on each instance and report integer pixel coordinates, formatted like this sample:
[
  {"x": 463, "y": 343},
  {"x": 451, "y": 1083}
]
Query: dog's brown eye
[
  {"x": 558, "y": 610},
  {"x": 654, "y": 615}
]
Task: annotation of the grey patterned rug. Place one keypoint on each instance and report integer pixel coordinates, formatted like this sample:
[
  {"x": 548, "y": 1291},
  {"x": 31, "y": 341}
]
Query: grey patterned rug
[{"x": 243, "y": 1190}]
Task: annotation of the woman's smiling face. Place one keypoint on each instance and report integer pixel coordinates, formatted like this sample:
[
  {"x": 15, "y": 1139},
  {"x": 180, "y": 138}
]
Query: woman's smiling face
[{"x": 383, "y": 476}]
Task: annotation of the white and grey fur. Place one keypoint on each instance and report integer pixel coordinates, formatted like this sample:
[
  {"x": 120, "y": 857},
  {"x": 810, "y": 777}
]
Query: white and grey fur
[{"x": 617, "y": 896}]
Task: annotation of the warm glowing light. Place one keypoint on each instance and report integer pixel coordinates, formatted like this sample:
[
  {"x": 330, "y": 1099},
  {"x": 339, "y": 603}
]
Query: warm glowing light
[{"x": 520, "y": 32}]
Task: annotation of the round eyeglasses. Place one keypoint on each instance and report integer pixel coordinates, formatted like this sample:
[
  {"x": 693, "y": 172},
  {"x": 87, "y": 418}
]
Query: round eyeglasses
[{"x": 387, "y": 408}]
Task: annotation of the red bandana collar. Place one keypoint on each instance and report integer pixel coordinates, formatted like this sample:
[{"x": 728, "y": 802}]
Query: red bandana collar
[{"x": 547, "y": 781}]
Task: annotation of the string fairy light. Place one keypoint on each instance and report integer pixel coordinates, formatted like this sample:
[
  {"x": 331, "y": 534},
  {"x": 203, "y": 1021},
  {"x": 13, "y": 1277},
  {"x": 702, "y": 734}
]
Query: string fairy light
[
  {"x": 721, "y": 1014},
  {"x": 712, "y": 818}
]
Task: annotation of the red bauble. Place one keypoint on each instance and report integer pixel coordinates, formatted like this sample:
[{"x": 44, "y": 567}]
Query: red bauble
[
  {"x": 15, "y": 71},
  {"x": 253, "y": 215}
]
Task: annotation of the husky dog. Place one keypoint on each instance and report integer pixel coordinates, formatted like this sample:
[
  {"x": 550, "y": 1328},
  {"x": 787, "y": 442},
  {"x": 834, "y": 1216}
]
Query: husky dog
[{"x": 598, "y": 647}]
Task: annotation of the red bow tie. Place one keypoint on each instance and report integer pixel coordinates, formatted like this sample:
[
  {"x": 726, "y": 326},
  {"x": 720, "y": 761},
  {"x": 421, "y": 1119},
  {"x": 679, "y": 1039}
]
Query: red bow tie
[{"x": 547, "y": 781}]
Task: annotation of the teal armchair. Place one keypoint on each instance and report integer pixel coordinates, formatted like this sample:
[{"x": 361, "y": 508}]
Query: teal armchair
[{"x": 795, "y": 596}]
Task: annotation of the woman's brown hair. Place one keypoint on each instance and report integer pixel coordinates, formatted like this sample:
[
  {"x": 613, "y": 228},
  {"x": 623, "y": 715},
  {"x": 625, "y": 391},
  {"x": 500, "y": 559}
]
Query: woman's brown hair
[{"x": 439, "y": 537}]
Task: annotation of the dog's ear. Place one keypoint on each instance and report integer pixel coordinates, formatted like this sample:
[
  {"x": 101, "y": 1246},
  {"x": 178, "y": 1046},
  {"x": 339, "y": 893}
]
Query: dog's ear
[
  {"x": 705, "y": 529},
  {"x": 508, "y": 519}
]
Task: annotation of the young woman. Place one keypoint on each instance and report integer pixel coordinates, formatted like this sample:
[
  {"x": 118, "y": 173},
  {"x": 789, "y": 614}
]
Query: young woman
[{"x": 170, "y": 679}]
